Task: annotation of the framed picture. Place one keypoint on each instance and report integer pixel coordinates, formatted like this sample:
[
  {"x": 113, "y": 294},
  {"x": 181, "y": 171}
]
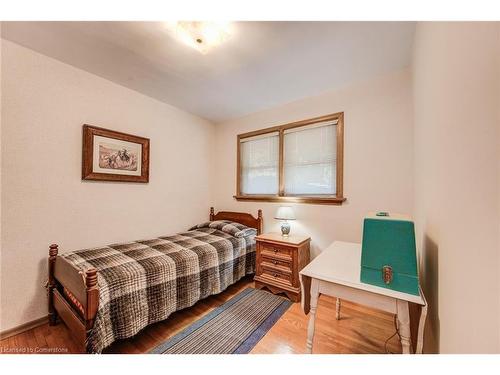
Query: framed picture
[{"x": 113, "y": 156}]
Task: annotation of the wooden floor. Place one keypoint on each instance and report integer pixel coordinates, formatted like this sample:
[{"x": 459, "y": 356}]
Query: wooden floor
[{"x": 360, "y": 330}]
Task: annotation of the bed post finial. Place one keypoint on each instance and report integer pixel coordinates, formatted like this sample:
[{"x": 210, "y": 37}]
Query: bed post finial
[
  {"x": 212, "y": 213},
  {"x": 259, "y": 217},
  {"x": 51, "y": 283},
  {"x": 53, "y": 250},
  {"x": 91, "y": 278}
]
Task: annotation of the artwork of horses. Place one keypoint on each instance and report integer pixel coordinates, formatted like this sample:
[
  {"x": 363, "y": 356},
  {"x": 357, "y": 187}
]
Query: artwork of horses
[
  {"x": 113, "y": 156},
  {"x": 109, "y": 155}
]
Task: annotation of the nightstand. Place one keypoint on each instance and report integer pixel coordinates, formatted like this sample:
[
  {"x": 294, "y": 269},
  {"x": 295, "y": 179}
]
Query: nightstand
[{"x": 279, "y": 260}]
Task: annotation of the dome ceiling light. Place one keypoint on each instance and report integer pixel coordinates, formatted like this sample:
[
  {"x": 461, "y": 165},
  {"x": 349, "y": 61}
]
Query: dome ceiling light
[{"x": 202, "y": 35}]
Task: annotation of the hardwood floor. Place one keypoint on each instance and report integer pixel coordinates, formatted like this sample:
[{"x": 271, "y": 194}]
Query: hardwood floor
[{"x": 360, "y": 330}]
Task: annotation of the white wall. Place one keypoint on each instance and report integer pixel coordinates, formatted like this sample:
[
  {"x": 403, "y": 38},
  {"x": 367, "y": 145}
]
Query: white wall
[
  {"x": 456, "y": 106},
  {"x": 0, "y": 164},
  {"x": 378, "y": 157},
  {"x": 498, "y": 170},
  {"x": 44, "y": 104}
]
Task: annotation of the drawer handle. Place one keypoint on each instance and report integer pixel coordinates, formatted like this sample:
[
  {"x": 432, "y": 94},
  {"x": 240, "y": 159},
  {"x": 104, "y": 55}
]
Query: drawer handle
[
  {"x": 276, "y": 250},
  {"x": 275, "y": 262},
  {"x": 275, "y": 274}
]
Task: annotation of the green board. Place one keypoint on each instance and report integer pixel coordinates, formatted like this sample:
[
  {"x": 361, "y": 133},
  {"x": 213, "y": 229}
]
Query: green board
[{"x": 389, "y": 242}]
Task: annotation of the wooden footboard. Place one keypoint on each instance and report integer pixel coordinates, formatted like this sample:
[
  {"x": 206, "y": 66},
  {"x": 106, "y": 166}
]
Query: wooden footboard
[{"x": 73, "y": 296}]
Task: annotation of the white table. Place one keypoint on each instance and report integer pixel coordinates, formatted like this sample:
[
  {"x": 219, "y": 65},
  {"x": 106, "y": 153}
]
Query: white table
[{"x": 336, "y": 272}]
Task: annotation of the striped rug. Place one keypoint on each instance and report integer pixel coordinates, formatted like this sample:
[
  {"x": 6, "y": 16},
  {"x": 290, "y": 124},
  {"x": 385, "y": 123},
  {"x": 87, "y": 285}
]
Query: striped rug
[{"x": 233, "y": 328}]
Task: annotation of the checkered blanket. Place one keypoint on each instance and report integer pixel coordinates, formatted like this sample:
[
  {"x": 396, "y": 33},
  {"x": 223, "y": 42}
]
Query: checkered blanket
[{"x": 143, "y": 282}]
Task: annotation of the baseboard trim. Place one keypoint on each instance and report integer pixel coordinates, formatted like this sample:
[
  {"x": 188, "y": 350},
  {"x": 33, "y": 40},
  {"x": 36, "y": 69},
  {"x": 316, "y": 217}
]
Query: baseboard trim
[{"x": 23, "y": 327}]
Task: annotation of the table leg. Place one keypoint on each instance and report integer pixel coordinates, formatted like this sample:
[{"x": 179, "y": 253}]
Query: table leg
[
  {"x": 312, "y": 317},
  {"x": 403, "y": 314},
  {"x": 421, "y": 326},
  {"x": 305, "y": 287},
  {"x": 337, "y": 309}
]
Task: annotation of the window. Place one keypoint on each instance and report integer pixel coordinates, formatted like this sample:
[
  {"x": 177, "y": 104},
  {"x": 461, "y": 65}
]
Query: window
[
  {"x": 297, "y": 162},
  {"x": 310, "y": 159},
  {"x": 259, "y": 160}
]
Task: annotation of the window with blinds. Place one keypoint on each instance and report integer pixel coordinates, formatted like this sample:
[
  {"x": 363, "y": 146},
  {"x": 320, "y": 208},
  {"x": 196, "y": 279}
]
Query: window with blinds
[
  {"x": 298, "y": 162},
  {"x": 259, "y": 159},
  {"x": 310, "y": 154}
]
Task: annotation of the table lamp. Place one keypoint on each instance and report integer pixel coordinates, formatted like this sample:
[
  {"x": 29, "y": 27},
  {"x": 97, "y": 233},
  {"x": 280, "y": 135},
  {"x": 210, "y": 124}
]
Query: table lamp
[{"x": 285, "y": 214}]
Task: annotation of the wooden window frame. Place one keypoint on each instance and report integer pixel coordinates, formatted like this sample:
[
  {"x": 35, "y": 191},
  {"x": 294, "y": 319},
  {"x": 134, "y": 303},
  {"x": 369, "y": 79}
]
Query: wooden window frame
[{"x": 336, "y": 199}]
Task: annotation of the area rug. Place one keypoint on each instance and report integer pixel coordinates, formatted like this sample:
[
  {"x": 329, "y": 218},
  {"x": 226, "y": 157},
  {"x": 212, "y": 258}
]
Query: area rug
[{"x": 233, "y": 328}]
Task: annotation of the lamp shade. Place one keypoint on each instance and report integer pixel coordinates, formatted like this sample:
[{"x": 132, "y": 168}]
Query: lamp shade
[{"x": 285, "y": 213}]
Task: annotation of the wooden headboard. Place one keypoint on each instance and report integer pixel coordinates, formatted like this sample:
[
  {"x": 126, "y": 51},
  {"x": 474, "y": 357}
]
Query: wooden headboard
[{"x": 239, "y": 217}]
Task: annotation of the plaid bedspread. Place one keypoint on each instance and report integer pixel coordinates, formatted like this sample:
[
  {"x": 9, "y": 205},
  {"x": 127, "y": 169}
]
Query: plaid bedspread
[{"x": 143, "y": 282}]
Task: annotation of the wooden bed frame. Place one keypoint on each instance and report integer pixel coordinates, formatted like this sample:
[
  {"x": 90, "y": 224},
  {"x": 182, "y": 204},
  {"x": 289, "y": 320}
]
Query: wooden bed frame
[{"x": 78, "y": 309}]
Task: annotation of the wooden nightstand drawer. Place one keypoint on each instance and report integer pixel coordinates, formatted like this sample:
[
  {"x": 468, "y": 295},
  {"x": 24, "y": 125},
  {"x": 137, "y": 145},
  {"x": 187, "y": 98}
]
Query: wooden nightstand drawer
[
  {"x": 278, "y": 276},
  {"x": 271, "y": 249},
  {"x": 281, "y": 263}
]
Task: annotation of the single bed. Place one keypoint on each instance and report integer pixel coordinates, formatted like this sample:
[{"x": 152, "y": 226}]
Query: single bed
[{"x": 112, "y": 292}]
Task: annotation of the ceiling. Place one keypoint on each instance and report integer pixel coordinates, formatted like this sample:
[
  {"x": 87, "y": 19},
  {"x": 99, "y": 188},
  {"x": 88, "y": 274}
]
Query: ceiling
[{"x": 262, "y": 64}]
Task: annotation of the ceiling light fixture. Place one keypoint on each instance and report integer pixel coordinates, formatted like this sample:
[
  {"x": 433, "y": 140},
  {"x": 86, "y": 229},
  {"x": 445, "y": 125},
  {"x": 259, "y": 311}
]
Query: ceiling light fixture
[{"x": 202, "y": 35}]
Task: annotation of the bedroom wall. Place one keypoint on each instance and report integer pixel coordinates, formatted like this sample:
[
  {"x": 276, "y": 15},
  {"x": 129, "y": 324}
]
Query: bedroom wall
[
  {"x": 457, "y": 203},
  {"x": 378, "y": 157},
  {"x": 44, "y": 104},
  {"x": 0, "y": 160}
]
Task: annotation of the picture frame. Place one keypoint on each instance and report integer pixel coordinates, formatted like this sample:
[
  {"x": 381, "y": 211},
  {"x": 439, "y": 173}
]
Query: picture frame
[{"x": 109, "y": 155}]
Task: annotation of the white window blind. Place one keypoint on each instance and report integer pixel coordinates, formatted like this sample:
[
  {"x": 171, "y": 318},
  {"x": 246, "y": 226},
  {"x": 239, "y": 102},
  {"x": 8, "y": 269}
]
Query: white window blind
[
  {"x": 310, "y": 154},
  {"x": 259, "y": 164}
]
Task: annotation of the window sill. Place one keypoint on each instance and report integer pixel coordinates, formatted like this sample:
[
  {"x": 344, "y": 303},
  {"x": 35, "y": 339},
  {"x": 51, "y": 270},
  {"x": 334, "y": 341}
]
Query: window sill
[{"x": 297, "y": 199}]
